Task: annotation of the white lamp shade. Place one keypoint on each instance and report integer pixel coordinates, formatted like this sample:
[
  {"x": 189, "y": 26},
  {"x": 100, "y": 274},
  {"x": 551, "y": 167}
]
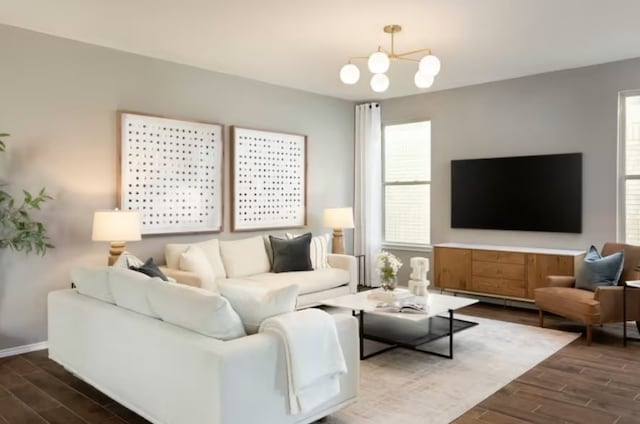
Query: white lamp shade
[
  {"x": 115, "y": 225},
  {"x": 349, "y": 74},
  {"x": 429, "y": 65},
  {"x": 338, "y": 218},
  {"x": 422, "y": 81},
  {"x": 378, "y": 63},
  {"x": 379, "y": 83}
]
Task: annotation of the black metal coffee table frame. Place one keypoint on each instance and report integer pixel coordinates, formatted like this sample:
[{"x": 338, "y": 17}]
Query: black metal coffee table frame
[{"x": 447, "y": 327}]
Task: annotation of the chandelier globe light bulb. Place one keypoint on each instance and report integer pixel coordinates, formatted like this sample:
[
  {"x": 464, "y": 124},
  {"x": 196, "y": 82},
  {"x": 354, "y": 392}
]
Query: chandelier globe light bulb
[
  {"x": 379, "y": 83},
  {"x": 422, "y": 81},
  {"x": 349, "y": 74},
  {"x": 378, "y": 63},
  {"x": 429, "y": 65}
]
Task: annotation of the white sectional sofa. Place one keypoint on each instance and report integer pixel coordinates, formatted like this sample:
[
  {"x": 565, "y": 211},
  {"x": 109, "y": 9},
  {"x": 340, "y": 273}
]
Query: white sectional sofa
[
  {"x": 169, "y": 374},
  {"x": 247, "y": 262}
]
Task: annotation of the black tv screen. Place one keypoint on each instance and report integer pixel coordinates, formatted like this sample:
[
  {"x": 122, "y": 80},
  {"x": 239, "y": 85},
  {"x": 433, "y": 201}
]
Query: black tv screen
[{"x": 526, "y": 193}]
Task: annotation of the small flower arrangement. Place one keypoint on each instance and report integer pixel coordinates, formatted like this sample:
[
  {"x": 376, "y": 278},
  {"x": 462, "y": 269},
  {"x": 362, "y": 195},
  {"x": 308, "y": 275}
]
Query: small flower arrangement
[{"x": 387, "y": 266}]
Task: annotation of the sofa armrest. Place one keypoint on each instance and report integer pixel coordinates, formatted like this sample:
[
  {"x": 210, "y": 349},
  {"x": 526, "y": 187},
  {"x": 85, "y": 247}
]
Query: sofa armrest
[
  {"x": 349, "y": 264},
  {"x": 561, "y": 281},
  {"x": 183, "y": 277}
]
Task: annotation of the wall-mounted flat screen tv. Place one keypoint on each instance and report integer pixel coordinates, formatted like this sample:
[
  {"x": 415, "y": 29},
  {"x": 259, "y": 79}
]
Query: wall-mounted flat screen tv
[{"x": 525, "y": 193}]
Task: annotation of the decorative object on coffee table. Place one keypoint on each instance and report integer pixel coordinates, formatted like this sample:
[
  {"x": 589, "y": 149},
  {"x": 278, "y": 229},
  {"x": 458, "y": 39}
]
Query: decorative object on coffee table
[
  {"x": 418, "y": 282},
  {"x": 117, "y": 227},
  {"x": 387, "y": 266},
  {"x": 171, "y": 172},
  {"x": 268, "y": 180},
  {"x": 338, "y": 219}
]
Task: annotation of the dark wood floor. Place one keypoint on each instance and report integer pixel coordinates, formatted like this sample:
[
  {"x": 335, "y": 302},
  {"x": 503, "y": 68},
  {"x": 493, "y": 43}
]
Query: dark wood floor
[{"x": 579, "y": 384}]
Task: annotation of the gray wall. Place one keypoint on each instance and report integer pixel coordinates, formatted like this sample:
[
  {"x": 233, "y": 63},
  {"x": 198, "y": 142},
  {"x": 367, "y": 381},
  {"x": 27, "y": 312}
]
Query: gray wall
[
  {"x": 59, "y": 102},
  {"x": 559, "y": 112}
]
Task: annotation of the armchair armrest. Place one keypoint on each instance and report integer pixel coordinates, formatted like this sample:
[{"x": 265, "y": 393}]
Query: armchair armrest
[
  {"x": 183, "y": 277},
  {"x": 561, "y": 281},
  {"x": 349, "y": 264},
  {"x": 611, "y": 298}
]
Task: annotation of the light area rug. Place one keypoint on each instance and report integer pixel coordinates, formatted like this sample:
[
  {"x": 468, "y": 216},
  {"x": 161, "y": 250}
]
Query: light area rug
[{"x": 403, "y": 386}]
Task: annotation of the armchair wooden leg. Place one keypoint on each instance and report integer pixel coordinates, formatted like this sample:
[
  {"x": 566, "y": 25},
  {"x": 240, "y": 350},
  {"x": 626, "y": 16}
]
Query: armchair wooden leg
[
  {"x": 541, "y": 317},
  {"x": 589, "y": 334}
]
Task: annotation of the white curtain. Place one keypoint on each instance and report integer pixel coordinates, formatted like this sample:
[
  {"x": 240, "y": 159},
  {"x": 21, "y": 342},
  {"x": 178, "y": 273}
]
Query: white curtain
[{"x": 368, "y": 187}]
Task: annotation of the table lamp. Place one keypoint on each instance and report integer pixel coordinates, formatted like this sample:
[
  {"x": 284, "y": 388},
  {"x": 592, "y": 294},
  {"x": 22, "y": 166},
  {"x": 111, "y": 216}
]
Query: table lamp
[
  {"x": 338, "y": 219},
  {"x": 117, "y": 227}
]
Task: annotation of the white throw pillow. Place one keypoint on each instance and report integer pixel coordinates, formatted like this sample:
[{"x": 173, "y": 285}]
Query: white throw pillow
[
  {"x": 129, "y": 289},
  {"x": 93, "y": 282},
  {"x": 211, "y": 249},
  {"x": 254, "y": 304},
  {"x": 317, "y": 250},
  {"x": 195, "y": 309},
  {"x": 194, "y": 260},
  {"x": 244, "y": 257},
  {"x": 126, "y": 260}
]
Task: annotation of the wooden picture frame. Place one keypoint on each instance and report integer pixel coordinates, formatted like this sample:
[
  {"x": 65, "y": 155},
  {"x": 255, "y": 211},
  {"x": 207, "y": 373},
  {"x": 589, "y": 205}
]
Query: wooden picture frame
[
  {"x": 268, "y": 180},
  {"x": 172, "y": 171}
]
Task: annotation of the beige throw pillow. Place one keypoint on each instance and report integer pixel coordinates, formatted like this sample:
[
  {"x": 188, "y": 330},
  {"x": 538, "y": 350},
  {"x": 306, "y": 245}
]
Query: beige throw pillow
[
  {"x": 194, "y": 260},
  {"x": 244, "y": 257},
  {"x": 254, "y": 304}
]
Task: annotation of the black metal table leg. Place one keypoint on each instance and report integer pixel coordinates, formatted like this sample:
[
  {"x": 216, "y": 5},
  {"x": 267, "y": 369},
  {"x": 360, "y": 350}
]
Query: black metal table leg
[
  {"x": 450, "y": 333},
  {"x": 361, "y": 332},
  {"x": 624, "y": 314}
]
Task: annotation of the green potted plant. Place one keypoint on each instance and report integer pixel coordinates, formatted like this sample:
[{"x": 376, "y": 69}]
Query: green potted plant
[{"x": 18, "y": 230}]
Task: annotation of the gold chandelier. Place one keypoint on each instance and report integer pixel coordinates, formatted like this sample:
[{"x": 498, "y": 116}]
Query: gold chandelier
[{"x": 379, "y": 61}]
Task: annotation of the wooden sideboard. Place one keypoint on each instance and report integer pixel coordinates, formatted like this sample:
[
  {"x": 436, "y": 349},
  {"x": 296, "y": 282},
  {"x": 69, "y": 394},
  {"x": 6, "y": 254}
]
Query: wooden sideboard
[{"x": 499, "y": 271}]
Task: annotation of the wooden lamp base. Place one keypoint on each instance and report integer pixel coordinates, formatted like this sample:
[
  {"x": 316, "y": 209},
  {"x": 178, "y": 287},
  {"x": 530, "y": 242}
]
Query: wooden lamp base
[
  {"x": 115, "y": 250},
  {"x": 338, "y": 241}
]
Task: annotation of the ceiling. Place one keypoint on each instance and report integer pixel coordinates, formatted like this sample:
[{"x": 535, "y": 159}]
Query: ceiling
[{"x": 303, "y": 43}]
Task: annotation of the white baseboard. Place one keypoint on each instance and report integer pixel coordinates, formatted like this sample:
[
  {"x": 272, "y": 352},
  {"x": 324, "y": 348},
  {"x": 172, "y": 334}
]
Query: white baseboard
[{"x": 12, "y": 351}]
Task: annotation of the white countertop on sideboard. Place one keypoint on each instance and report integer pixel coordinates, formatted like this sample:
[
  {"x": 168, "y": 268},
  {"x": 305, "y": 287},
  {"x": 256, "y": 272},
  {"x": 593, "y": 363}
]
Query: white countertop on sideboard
[{"x": 520, "y": 249}]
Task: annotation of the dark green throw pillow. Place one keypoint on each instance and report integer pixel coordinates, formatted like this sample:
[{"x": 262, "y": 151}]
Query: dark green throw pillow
[
  {"x": 151, "y": 269},
  {"x": 598, "y": 271},
  {"x": 291, "y": 255}
]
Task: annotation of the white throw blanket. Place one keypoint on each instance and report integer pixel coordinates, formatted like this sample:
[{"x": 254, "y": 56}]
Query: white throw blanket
[{"x": 314, "y": 356}]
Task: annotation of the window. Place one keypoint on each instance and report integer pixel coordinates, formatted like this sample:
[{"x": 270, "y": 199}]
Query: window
[
  {"x": 630, "y": 167},
  {"x": 407, "y": 184}
]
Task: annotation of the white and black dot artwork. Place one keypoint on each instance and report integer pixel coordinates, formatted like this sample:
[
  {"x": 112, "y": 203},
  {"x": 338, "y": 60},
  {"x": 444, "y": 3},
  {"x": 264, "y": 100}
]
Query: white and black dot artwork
[
  {"x": 171, "y": 172},
  {"x": 269, "y": 180}
]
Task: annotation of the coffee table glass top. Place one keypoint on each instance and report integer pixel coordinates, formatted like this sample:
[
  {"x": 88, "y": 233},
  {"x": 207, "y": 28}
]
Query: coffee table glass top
[{"x": 436, "y": 304}]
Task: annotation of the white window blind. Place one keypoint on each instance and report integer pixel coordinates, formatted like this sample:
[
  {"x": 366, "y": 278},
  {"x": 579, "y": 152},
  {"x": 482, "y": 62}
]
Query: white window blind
[
  {"x": 407, "y": 183},
  {"x": 630, "y": 134}
]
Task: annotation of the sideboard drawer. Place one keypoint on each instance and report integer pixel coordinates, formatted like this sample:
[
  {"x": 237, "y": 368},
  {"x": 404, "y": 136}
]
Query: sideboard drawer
[
  {"x": 499, "y": 286},
  {"x": 498, "y": 270},
  {"x": 496, "y": 256}
]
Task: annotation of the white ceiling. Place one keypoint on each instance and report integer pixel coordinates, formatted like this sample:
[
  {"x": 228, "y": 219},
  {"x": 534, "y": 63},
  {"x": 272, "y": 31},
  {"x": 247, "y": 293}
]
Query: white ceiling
[{"x": 303, "y": 43}]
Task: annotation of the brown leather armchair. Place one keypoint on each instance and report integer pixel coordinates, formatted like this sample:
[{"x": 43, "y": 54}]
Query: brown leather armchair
[{"x": 601, "y": 306}]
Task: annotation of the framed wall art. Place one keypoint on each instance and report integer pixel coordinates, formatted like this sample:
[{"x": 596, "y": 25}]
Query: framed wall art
[
  {"x": 171, "y": 172},
  {"x": 269, "y": 179}
]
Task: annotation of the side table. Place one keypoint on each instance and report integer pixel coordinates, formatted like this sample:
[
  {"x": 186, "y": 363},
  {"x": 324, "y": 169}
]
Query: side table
[
  {"x": 628, "y": 285},
  {"x": 362, "y": 269}
]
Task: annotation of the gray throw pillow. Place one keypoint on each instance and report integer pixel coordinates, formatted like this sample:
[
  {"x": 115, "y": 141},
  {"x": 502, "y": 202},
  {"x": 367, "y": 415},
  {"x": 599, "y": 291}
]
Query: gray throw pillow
[
  {"x": 291, "y": 255},
  {"x": 597, "y": 271}
]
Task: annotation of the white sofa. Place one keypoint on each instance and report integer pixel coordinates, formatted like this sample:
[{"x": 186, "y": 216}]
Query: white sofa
[
  {"x": 247, "y": 262},
  {"x": 171, "y": 375}
]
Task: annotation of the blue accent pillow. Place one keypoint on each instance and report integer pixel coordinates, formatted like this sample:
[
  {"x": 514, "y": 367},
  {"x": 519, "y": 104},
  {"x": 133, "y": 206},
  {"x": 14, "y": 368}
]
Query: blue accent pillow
[{"x": 597, "y": 271}]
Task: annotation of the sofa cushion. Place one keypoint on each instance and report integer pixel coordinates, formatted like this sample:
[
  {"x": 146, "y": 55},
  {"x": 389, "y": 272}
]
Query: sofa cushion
[
  {"x": 150, "y": 269},
  {"x": 255, "y": 304},
  {"x": 291, "y": 254},
  {"x": 211, "y": 249},
  {"x": 195, "y": 309},
  {"x": 244, "y": 257},
  {"x": 308, "y": 281},
  {"x": 318, "y": 249},
  {"x": 597, "y": 271},
  {"x": 129, "y": 290},
  {"x": 93, "y": 282},
  {"x": 194, "y": 260}
]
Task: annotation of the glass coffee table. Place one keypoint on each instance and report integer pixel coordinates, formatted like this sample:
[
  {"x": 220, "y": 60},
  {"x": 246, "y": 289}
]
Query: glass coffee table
[{"x": 409, "y": 330}]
